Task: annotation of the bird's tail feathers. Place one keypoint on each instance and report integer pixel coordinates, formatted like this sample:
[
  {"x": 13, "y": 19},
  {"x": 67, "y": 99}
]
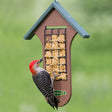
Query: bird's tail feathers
[{"x": 53, "y": 101}]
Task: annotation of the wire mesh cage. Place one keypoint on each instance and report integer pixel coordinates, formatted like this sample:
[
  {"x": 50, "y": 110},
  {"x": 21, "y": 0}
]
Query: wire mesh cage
[{"x": 55, "y": 52}]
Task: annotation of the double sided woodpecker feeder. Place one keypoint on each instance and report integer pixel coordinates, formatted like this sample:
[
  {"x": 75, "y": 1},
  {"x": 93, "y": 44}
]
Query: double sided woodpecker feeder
[{"x": 56, "y": 30}]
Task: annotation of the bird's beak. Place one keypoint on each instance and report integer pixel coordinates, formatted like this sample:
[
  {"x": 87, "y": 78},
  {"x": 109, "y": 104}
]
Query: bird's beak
[{"x": 41, "y": 60}]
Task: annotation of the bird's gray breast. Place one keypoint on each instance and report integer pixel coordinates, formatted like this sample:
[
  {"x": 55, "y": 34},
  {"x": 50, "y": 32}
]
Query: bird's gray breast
[{"x": 39, "y": 69}]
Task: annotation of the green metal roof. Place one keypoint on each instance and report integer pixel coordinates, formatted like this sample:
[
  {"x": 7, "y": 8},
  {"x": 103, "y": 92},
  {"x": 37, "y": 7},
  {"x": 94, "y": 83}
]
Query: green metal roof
[{"x": 64, "y": 14}]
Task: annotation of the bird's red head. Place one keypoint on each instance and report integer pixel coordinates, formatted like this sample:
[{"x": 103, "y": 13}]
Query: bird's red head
[
  {"x": 36, "y": 63},
  {"x": 32, "y": 63}
]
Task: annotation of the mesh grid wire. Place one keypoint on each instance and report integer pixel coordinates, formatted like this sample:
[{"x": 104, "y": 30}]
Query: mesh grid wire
[{"x": 55, "y": 52}]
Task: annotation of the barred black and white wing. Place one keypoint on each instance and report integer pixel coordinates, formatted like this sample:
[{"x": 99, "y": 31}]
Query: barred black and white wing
[{"x": 44, "y": 84}]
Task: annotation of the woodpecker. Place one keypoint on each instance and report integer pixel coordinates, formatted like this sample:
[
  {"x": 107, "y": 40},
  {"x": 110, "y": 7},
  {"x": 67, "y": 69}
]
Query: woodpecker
[{"x": 43, "y": 82}]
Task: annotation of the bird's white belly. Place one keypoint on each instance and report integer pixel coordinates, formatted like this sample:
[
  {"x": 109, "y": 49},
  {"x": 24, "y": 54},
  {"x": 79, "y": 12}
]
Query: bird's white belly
[{"x": 39, "y": 69}]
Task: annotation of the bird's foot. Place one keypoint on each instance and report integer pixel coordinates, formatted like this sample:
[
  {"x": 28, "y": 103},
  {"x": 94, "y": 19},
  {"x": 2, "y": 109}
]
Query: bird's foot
[{"x": 54, "y": 76}]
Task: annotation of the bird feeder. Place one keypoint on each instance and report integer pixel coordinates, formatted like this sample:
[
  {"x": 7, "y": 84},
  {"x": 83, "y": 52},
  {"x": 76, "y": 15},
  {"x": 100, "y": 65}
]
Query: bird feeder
[{"x": 56, "y": 29}]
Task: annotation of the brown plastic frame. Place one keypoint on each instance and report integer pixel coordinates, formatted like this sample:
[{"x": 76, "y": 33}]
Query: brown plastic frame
[{"x": 55, "y": 19}]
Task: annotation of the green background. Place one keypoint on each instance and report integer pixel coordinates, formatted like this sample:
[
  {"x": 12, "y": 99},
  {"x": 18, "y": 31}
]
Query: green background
[{"x": 91, "y": 58}]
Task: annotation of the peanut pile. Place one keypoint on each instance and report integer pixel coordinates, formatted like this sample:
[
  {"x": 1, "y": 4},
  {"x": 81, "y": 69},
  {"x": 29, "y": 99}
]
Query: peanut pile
[{"x": 55, "y": 60}]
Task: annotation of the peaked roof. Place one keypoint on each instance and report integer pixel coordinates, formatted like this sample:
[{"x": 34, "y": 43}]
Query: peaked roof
[{"x": 64, "y": 14}]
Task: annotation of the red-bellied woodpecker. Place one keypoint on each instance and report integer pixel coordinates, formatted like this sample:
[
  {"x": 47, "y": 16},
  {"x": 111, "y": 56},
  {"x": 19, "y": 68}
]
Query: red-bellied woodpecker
[{"x": 43, "y": 81}]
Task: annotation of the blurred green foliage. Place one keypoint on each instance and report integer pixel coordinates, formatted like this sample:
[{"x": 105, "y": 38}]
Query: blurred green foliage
[
  {"x": 97, "y": 6},
  {"x": 91, "y": 58}
]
